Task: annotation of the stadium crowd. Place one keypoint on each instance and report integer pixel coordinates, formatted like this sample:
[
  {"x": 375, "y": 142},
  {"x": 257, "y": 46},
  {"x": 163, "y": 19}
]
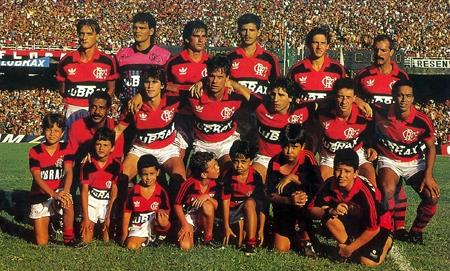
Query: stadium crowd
[{"x": 420, "y": 27}]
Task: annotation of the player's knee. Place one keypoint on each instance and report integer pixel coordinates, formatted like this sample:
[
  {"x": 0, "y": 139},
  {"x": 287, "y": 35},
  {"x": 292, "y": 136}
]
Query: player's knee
[
  {"x": 250, "y": 204},
  {"x": 208, "y": 208},
  {"x": 186, "y": 245},
  {"x": 367, "y": 262}
]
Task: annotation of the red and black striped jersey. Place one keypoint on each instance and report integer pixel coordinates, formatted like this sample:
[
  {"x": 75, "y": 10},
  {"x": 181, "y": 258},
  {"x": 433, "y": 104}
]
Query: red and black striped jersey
[
  {"x": 255, "y": 72},
  {"x": 314, "y": 84},
  {"x": 191, "y": 190},
  {"x": 238, "y": 192},
  {"x": 100, "y": 179}
]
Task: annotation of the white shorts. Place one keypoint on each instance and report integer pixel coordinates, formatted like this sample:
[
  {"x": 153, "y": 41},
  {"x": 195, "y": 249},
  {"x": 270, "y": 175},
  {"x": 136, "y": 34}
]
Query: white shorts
[
  {"x": 97, "y": 209},
  {"x": 328, "y": 160},
  {"x": 402, "y": 169},
  {"x": 218, "y": 148},
  {"x": 144, "y": 230},
  {"x": 262, "y": 159},
  {"x": 46, "y": 208},
  {"x": 179, "y": 141},
  {"x": 191, "y": 216},
  {"x": 75, "y": 112},
  {"x": 162, "y": 154}
]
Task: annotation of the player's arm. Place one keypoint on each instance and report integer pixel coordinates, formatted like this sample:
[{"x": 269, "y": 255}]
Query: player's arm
[
  {"x": 246, "y": 92},
  {"x": 125, "y": 224},
  {"x": 62, "y": 88},
  {"x": 198, "y": 202},
  {"x": 347, "y": 250},
  {"x": 363, "y": 107},
  {"x": 186, "y": 229},
  {"x": 110, "y": 87},
  {"x": 260, "y": 230},
  {"x": 118, "y": 129},
  {"x": 226, "y": 221},
  {"x": 135, "y": 103},
  {"x": 85, "y": 225},
  {"x": 428, "y": 181},
  {"x": 112, "y": 199}
]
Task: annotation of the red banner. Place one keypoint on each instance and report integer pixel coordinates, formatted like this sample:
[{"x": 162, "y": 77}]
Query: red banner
[{"x": 445, "y": 149}]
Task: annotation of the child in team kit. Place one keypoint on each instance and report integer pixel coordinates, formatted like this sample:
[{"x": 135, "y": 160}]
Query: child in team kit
[
  {"x": 147, "y": 209},
  {"x": 242, "y": 197},
  {"x": 51, "y": 166},
  {"x": 195, "y": 204},
  {"x": 99, "y": 185}
]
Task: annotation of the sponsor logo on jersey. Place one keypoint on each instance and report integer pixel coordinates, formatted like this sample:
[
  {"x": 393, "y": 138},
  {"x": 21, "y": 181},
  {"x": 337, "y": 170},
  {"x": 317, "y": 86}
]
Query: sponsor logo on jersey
[
  {"x": 351, "y": 132},
  {"x": 370, "y": 82},
  {"x": 132, "y": 81},
  {"x": 143, "y": 116},
  {"x": 260, "y": 69},
  {"x": 167, "y": 115},
  {"x": 328, "y": 81},
  {"x": 183, "y": 70},
  {"x": 52, "y": 174},
  {"x": 254, "y": 86},
  {"x": 380, "y": 99},
  {"x": 100, "y": 73},
  {"x": 152, "y": 137},
  {"x": 302, "y": 80},
  {"x": 311, "y": 96},
  {"x": 333, "y": 146},
  {"x": 214, "y": 128},
  {"x": 72, "y": 71},
  {"x": 83, "y": 91},
  {"x": 227, "y": 112},
  {"x": 99, "y": 193},
  {"x": 268, "y": 134},
  {"x": 235, "y": 65},
  {"x": 139, "y": 219},
  {"x": 199, "y": 108},
  {"x": 410, "y": 135},
  {"x": 400, "y": 149}
]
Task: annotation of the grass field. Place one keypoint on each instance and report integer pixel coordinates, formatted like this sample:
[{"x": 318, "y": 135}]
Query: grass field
[{"x": 17, "y": 251}]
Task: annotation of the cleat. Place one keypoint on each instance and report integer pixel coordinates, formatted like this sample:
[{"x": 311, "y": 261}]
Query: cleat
[
  {"x": 160, "y": 240},
  {"x": 249, "y": 250},
  {"x": 307, "y": 250},
  {"x": 75, "y": 243},
  {"x": 213, "y": 244},
  {"x": 401, "y": 235},
  {"x": 416, "y": 237}
]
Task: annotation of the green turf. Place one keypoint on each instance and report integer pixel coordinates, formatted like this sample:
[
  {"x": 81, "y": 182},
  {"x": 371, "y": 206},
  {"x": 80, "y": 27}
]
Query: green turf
[{"x": 17, "y": 252}]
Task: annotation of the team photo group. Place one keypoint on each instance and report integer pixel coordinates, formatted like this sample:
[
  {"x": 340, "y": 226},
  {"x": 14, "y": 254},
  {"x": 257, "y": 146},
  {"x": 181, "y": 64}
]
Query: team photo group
[{"x": 224, "y": 150}]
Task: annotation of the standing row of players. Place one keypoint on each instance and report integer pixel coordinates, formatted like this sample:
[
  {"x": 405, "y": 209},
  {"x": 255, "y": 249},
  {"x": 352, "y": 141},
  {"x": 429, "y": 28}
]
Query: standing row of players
[{"x": 251, "y": 68}]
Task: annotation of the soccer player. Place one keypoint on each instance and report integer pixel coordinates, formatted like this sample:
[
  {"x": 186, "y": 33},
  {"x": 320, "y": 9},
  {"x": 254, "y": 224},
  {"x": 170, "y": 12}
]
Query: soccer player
[
  {"x": 183, "y": 70},
  {"x": 349, "y": 208},
  {"x": 243, "y": 198},
  {"x": 252, "y": 67},
  {"x": 316, "y": 74},
  {"x": 215, "y": 128},
  {"x": 401, "y": 130},
  {"x": 85, "y": 71},
  {"x": 292, "y": 179},
  {"x": 146, "y": 211},
  {"x": 133, "y": 60},
  {"x": 99, "y": 186},
  {"x": 343, "y": 127},
  {"x": 196, "y": 202},
  {"x": 374, "y": 84},
  {"x": 51, "y": 166},
  {"x": 155, "y": 127}
]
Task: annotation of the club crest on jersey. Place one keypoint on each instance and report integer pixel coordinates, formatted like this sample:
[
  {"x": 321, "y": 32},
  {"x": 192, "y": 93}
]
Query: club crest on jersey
[
  {"x": 227, "y": 112},
  {"x": 100, "y": 73},
  {"x": 183, "y": 70},
  {"x": 167, "y": 115},
  {"x": 327, "y": 81},
  {"x": 326, "y": 125},
  {"x": 296, "y": 119},
  {"x": 409, "y": 135},
  {"x": 199, "y": 108},
  {"x": 72, "y": 71},
  {"x": 154, "y": 206},
  {"x": 391, "y": 84},
  {"x": 235, "y": 65},
  {"x": 60, "y": 161},
  {"x": 260, "y": 69},
  {"x": 370, "y": 82},
  {"x": 143, "y": 116},
  {"x": 137, "y": 204},
  {"x": 109, "y": 184},
  {"x": 204, "y": 72},
  {"x": 350, "y": 132},
  {"x": 302, "y": 80}
]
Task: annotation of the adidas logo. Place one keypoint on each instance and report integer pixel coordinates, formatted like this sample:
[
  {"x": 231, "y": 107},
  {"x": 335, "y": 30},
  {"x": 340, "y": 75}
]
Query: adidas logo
[
  {"x": 72, "y": 71},
  {"x": 235, "y": 65},
  {"x": 370, "y": 83},
  {"x": 143, "y": 116},
  {"x": 199, "y": 108},
  {"x": 182, "y": 70},
  {"x": 326, "y": 125},
  {"x": 302, "y": 80},
  {"x": 137, "y": 203}
]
